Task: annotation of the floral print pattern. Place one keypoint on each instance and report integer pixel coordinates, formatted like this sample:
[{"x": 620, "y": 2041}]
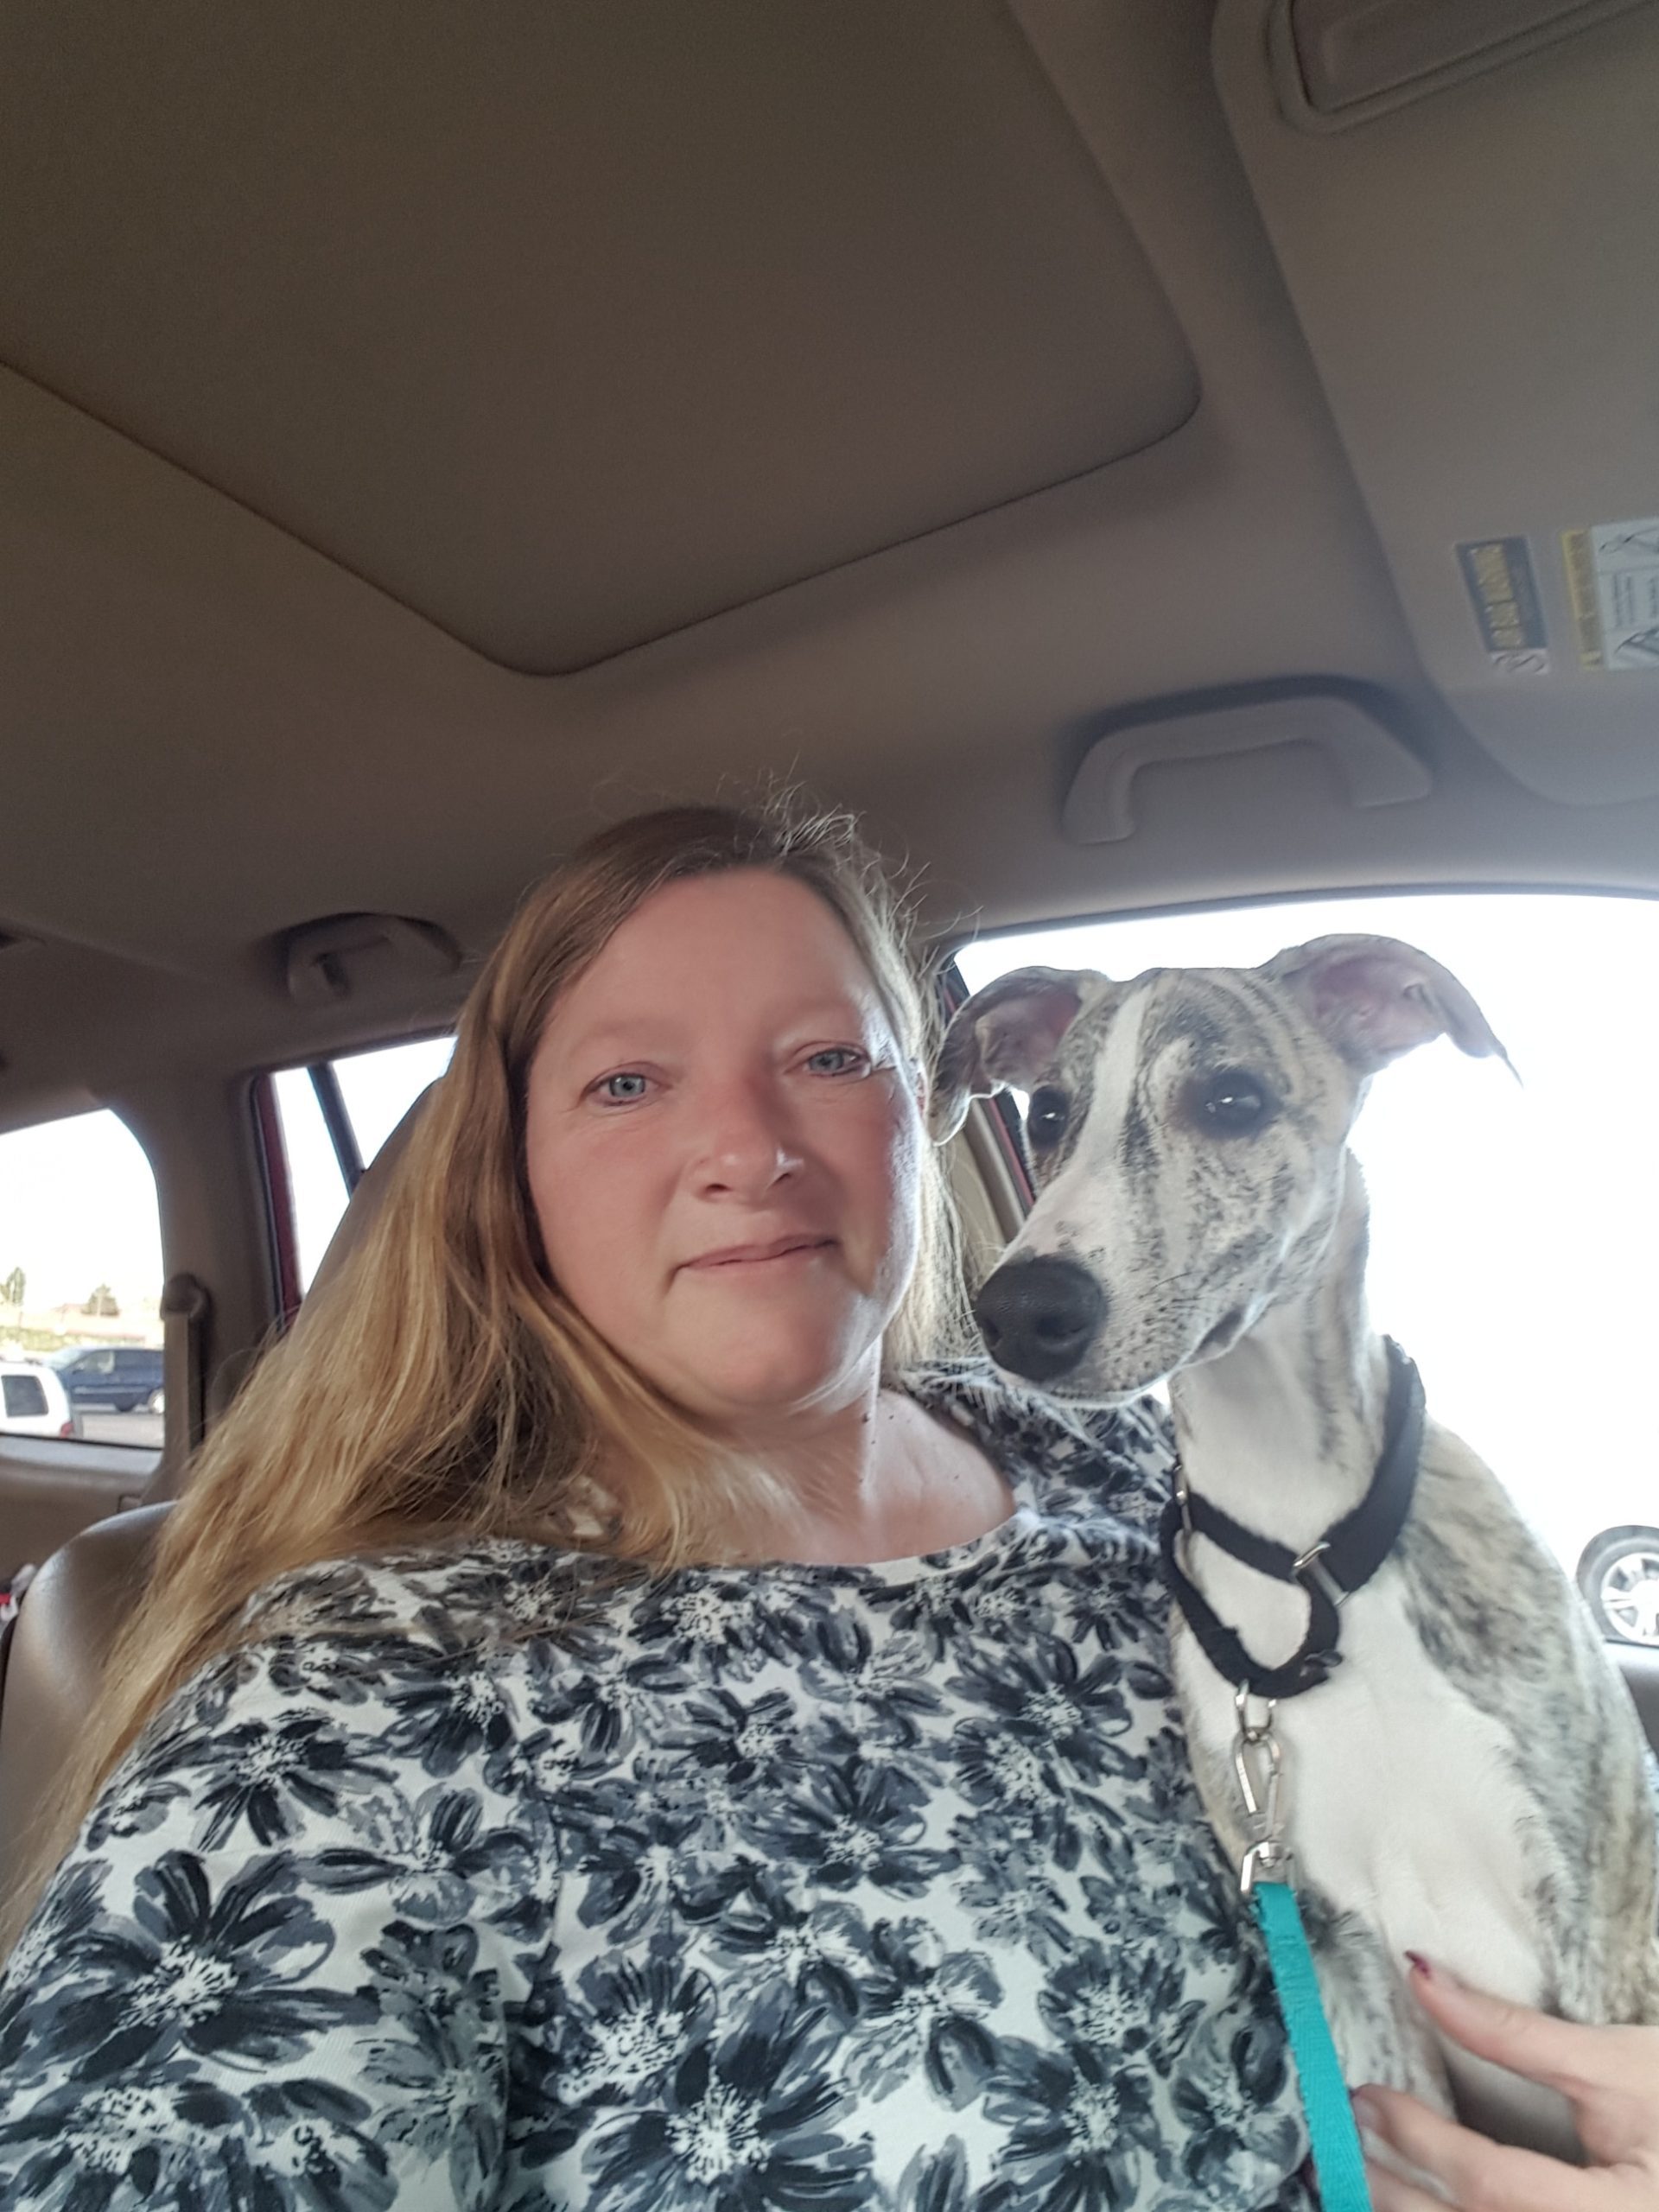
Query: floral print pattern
[{"x": 484, "y": 1878}]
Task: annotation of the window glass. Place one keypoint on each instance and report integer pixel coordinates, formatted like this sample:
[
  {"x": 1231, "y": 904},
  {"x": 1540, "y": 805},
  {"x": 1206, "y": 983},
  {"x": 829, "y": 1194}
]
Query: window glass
[
  {"x": 314, "y": 1177},
  {"x": 377, "y": 1089},
  {"x": 1513, "y": 1223},
  {"x": 81, "y": 1274},
  {"x": 24, "y": 1396}
]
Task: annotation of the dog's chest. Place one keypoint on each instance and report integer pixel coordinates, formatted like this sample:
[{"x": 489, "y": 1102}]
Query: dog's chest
[{"x": 1402, "y": 1800}]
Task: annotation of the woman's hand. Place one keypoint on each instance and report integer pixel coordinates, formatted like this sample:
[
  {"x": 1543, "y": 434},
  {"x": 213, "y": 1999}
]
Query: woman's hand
[{"x": 1609, "y": 2076}]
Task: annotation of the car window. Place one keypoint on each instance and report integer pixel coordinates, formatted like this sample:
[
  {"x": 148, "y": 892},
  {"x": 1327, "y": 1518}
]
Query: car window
[
  {"x": 333, "y": 1117},
  {"x": 1513, "y": 1223},
  {"x": 81, "y": 1276},
  {"x": 23, "y": 1395}
]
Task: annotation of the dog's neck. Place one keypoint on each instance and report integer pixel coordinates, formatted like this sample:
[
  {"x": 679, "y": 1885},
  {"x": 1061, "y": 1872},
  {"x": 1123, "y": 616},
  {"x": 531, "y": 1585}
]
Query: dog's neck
[{"x": 1284, "y": 1431}]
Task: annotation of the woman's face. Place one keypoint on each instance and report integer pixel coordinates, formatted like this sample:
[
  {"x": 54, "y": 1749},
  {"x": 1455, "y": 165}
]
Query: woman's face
[{"x": 723, "y": 1151}]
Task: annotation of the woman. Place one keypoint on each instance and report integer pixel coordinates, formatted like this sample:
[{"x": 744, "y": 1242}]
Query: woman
[{"x": 594, "y": 1740}]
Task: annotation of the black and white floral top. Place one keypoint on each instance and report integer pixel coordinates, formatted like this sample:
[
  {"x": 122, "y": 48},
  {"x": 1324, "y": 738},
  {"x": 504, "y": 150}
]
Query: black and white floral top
[{"x": 805, "y": 1887}]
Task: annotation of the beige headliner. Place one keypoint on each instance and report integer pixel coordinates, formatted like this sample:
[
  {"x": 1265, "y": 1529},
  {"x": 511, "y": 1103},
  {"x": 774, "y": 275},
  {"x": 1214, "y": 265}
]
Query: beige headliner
[{"x": 214, "y": 729}]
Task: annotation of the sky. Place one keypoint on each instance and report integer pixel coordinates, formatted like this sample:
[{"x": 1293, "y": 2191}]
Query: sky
[{"x": 78, "y": 1208}]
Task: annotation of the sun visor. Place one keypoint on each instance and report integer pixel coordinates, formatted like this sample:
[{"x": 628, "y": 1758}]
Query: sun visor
[{"x": 1470, "y": 254}]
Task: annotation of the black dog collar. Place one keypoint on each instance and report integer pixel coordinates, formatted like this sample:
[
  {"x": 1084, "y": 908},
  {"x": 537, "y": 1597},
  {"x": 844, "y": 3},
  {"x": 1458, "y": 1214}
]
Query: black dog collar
[{"x": 1342, "y": 1561}]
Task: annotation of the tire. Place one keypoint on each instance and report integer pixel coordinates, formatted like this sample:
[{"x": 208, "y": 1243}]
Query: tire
[
  {"x": 125, "y": 1405},
  {"x": 1619, "y": 1577},
  {"x": 156, "y": 1402}
]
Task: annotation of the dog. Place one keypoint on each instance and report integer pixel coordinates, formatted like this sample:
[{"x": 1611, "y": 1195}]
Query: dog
[{"x": 1464, "y": 1772}]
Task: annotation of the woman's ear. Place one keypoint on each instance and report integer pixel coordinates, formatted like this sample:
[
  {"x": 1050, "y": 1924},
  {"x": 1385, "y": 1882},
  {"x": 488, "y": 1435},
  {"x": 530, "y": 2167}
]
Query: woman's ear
[
  {"x": 1375, "y": 998},
  {"x": 1005, "y": 1036}
]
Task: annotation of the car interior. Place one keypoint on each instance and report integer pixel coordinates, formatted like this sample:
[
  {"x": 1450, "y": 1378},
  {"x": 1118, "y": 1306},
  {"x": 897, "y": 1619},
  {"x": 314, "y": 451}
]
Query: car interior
[{"x": 1137, "y": 457}]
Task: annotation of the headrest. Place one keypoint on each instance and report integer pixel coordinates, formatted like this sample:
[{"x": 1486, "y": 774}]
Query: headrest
[
  {"x": 173, "y": 1470},
  {"x": 366, "y": 1200}
]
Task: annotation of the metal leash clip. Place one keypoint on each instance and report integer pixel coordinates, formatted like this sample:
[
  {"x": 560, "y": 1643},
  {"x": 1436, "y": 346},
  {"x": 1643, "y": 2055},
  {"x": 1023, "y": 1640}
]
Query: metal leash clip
[{"x": 1258, "y": 1766}]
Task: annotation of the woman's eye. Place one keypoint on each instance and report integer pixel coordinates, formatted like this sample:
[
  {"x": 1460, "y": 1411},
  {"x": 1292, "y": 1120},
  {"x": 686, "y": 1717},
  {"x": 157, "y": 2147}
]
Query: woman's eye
[
  {"x": 836, "y": 1060},
  {"x": 1046, "y": 1116},
  {"x": 621, "y": 1089},
  {"x": 1232, "y": 1103}
]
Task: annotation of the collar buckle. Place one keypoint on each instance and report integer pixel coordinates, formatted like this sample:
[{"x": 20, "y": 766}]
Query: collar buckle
[{"x": 1308, "y": 1569}]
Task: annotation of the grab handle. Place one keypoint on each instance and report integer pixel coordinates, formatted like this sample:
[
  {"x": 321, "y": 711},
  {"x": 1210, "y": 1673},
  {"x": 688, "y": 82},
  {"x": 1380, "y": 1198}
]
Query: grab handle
[{"x": 1378, "y": 769}]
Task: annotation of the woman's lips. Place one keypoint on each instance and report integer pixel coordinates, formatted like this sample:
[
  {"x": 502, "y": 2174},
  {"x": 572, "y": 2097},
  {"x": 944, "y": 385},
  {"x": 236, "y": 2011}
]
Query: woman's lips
[{"x": 756, "y": 1256}]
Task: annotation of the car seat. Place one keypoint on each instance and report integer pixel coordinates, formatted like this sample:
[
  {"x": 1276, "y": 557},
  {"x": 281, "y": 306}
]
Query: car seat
[{"x": 74, "y": 1607}]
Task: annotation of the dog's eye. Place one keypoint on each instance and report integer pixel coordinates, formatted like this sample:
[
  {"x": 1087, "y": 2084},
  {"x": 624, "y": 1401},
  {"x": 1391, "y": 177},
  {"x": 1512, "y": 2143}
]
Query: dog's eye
[
  {"x": 1046, "y": 1116},
  {"x": 1232, "y": 1103}
]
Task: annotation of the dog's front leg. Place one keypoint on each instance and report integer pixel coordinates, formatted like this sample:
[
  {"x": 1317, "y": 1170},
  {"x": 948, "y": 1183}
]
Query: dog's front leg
[{"x": 1379, "y": 2033}]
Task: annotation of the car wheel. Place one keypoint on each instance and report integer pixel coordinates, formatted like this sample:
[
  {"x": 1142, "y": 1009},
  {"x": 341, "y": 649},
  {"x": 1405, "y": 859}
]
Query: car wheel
[
  {"x": 125, "y": 1405},
  {"x": 157, "y": 1402},
  {"x": 1619, "y": 1577}
]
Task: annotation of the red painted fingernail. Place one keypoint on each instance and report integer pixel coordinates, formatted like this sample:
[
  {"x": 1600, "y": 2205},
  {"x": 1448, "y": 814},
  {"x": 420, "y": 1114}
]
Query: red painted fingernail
[{"x": 1419, "y": 1965}]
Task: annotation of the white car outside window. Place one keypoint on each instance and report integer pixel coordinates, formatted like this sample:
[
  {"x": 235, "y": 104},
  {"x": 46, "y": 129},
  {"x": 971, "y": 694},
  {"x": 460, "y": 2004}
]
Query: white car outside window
[{"x": 32, "y": 1403}]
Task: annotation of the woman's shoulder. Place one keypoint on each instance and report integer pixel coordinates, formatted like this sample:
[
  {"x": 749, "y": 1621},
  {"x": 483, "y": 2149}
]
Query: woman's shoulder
[
  {"x": 349, "y": 1687},
  {"x": 1120, "y": 1455},
  {"x": 442, "y": 1599}
]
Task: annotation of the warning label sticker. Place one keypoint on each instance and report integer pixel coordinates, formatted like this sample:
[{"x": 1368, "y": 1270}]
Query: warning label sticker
[
  {"x": 1612, "y": 580},
  {"x": 1503, "y": 592}
]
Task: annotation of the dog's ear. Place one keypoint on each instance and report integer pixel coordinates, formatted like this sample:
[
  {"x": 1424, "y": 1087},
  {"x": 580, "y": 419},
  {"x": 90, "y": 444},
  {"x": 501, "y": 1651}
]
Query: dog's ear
[
  {"x": 1004, "y": 1037},
  {"x": 1376, "y": 998}
]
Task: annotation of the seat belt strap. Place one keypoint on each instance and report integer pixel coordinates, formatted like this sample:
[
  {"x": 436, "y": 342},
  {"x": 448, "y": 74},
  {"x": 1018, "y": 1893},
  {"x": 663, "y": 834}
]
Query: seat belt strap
[{"x": 186, "y": 1306}]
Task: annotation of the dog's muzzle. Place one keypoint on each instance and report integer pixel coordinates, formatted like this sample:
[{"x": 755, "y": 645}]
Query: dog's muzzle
[{"x": 1039, "y": 1317}]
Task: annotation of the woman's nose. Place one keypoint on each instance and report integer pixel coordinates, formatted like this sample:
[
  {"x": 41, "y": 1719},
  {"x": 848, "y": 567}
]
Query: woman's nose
[{"x": 746, "y": 1144}]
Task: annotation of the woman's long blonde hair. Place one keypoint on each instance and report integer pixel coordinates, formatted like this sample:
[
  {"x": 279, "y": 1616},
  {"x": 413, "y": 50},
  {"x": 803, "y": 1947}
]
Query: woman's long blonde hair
[{"x": 440, "y": 1389}]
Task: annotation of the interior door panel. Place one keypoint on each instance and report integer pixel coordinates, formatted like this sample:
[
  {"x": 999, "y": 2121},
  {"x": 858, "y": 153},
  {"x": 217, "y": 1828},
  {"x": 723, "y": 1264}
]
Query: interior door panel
[{"x": 51, "y": 1489}]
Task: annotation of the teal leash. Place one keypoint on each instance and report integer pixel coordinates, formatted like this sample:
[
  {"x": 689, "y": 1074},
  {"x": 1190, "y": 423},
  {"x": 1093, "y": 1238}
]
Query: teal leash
[{"x": 1339, "y": 2160}]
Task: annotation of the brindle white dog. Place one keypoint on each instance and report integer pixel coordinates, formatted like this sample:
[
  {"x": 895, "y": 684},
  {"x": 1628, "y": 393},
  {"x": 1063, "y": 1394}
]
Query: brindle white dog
[{"x": 1469, "y": 1781}]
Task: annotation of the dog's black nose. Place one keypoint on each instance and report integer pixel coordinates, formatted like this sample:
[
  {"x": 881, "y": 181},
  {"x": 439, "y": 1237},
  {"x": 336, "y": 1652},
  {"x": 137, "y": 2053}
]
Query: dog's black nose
[{"x": 1038, "y": 1316}]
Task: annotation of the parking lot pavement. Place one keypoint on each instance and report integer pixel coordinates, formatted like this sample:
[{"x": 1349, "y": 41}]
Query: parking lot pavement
[{"x": 122, "y": 1428}]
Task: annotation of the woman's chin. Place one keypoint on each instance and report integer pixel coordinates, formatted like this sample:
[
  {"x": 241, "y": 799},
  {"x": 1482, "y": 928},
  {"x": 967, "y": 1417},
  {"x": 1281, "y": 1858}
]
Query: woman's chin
[{"x": 756, "y": 1383}]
